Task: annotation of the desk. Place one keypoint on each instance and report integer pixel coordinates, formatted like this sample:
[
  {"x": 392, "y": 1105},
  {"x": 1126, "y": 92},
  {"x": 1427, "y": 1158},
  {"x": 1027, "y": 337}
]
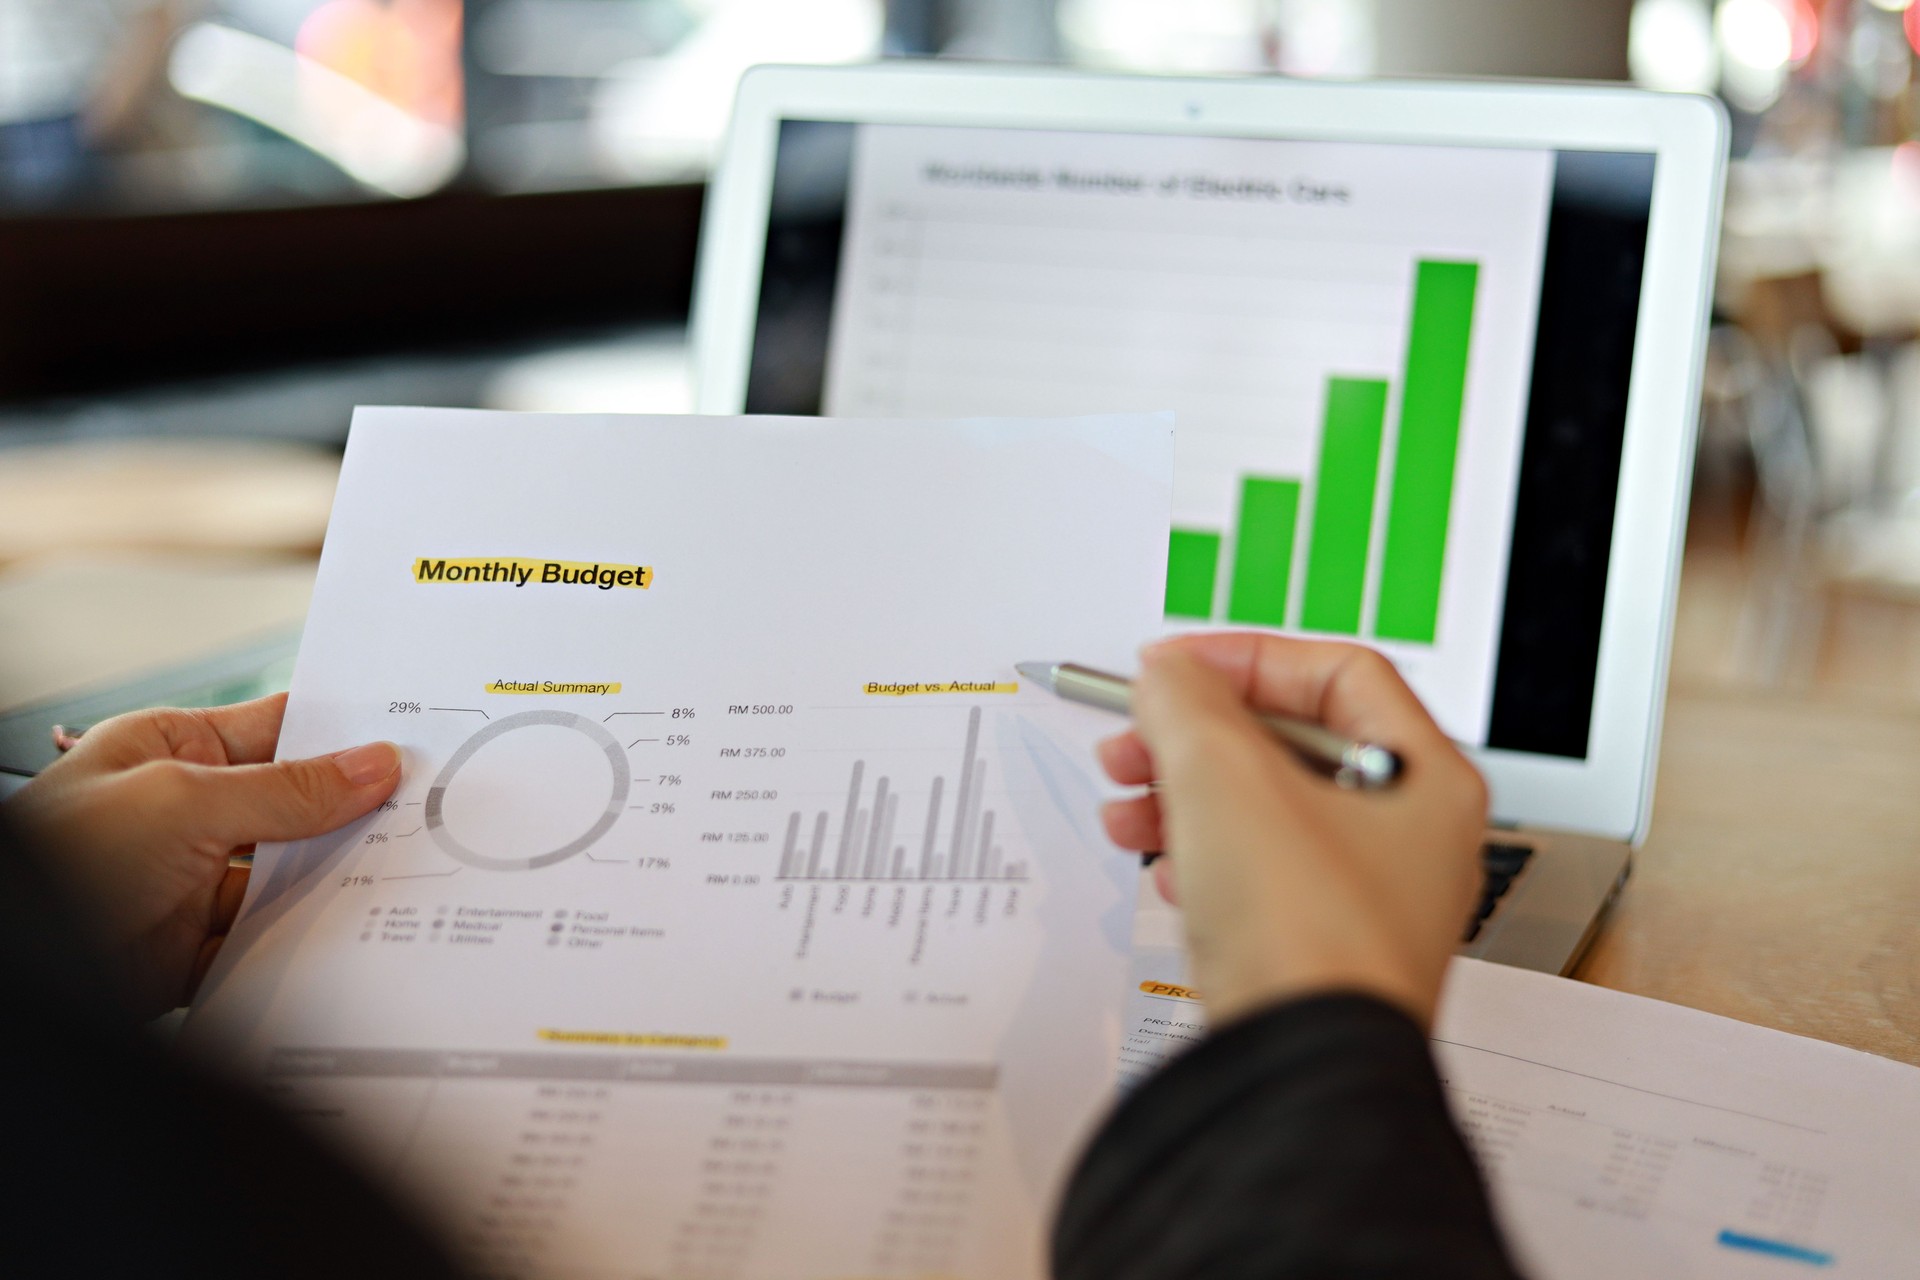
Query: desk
[
  {"x": 1781, "y": 882},
  {"x": 1780, "y": 886}
]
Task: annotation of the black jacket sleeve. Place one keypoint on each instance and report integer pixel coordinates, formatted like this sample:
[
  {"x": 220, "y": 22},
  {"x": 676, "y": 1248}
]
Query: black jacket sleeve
[
  {"x": 1311, "y": 1140},
  {"x": 121, "y": 1161}
]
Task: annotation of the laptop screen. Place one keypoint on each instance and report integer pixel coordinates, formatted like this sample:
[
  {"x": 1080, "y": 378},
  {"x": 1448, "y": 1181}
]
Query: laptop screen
[{"x": 1400, "y": 371}]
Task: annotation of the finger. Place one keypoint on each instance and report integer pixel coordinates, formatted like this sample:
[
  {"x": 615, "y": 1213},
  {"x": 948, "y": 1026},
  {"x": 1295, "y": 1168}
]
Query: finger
[
  {"x": 244, "y": 733},
  {"x": 1227, "y": 789},
  {"x": 295, "y": 799},
  {"x": 248, "y": 730},
  {"x": 1349, "y": 688},
  {"x": 1133, "y": 823},
  {"x": 227, "y": 897},
  {"x": 202, "y": 962},
  {"x": 1124, "y": 758},
  {"x": 1165, "y": 881},
  {"x": 130, "y": 740},
  {"x": 1192, "y": 718}
]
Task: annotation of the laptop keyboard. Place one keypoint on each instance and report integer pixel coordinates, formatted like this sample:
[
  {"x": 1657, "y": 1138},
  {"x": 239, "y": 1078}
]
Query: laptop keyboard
[{"x": 1503, "y": 863}]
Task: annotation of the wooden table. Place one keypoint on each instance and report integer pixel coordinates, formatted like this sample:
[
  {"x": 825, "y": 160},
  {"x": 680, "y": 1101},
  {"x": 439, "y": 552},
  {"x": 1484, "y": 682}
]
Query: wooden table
[
  {"x": 1781, "y": 885},
  {"x": 71, "y": 624},
  {"x": 1781, "y": 882}
]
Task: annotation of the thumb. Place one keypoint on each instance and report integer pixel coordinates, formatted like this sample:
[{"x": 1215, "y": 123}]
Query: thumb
[{"x": 297, "y": 799}]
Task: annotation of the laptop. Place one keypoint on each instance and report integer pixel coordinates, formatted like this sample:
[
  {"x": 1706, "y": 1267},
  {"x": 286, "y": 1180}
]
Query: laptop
[{"x": 1434, "y": 349}]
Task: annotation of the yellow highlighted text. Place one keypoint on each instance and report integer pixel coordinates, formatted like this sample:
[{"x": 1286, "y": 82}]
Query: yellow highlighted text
[
  {"x": 898, "y": 689},
  {"x": 633, "y": 1039},
  {"x": 519, "y": 571}
]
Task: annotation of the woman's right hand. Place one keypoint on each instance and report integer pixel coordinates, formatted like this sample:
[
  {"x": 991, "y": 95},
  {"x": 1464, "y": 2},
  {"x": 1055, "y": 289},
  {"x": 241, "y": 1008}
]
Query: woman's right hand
[{"x": 1289, "y": 884}]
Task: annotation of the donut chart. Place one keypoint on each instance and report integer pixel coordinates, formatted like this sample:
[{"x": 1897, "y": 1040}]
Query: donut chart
[{"x": 436, "y": 802}]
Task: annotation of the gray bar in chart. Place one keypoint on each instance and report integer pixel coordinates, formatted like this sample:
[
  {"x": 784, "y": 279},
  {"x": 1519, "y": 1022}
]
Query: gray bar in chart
[
  {"x": 873, "y": 850},
  {"x": 886, "y": 836},
  {"x": 954, "y": 857},
  {"x": 982, "y": 866},
  {"x": 933, "y": 825},
  {"x": 851, "y": 821},
  {"x": 963, "y": 863},
  {"x": 789, "y": 856},
  {"x": 819, "y": 843}
]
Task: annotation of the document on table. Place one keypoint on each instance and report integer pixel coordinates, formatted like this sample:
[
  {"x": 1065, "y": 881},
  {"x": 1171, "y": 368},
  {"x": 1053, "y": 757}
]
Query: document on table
[
  {"x": 1626, "y": 1137},
  {"x": 740, "y": 913}
]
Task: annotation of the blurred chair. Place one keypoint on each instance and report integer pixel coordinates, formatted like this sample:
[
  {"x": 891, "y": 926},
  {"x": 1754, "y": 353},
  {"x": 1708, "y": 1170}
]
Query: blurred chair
[{"x": 1753, "y": 406}]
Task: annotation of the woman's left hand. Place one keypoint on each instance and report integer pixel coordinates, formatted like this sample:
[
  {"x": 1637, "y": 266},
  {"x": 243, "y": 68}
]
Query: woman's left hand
[{"x": 140, "y": 819}]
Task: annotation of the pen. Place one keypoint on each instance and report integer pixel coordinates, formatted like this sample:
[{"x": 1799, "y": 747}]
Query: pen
[{"x": 1363, "y": 766}]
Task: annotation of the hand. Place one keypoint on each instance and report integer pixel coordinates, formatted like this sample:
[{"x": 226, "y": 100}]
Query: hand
[
  {"x": 1289, "y": 884},
  {"x": 140, "y": 818}
]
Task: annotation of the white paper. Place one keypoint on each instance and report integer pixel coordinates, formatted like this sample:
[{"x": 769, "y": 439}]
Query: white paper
[
  {"x": 1628, "y": 1137},
  {"x": 1624, "y": 1137},
  {"x": 585, "y": 989}
]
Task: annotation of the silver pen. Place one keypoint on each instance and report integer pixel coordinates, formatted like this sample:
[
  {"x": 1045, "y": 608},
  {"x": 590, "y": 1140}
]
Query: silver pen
[{"x": 1363, "y": 766}]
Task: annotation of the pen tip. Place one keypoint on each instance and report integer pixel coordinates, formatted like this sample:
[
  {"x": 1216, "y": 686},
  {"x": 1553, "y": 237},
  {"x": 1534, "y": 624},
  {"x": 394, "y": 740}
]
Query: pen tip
[{"x": 1041, "y": 673}]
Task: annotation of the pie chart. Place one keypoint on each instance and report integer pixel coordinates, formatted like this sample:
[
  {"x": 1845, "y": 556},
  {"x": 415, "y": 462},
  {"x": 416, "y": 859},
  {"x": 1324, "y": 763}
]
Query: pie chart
[{"x": 527, "y": 791}]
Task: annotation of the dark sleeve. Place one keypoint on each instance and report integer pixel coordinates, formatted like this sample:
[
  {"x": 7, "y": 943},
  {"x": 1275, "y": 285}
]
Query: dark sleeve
[
  {"x": 1311, "y": 1140},
  {"x": 119, "y": 1160}
]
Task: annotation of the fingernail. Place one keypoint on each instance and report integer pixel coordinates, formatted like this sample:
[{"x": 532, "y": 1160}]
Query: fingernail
[{"x": 370, "y": 763}]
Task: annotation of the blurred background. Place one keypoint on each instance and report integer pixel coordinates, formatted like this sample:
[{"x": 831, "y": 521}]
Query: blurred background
[{"x": 225, "y": 222}]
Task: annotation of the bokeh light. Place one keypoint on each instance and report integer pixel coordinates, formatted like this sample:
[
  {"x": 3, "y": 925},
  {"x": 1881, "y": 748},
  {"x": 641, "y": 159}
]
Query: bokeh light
[
  {"x": 1757, "y": 43},
  {"x": 1670, "y": 46}
]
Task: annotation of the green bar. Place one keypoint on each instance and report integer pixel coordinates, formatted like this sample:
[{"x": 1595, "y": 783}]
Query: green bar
[
  {"x": 1193, "y": 561},
  {"x": 1343, "y": 505},
  {"x": 1431, "y": 397},
  {"x": 1263, "y": 551}
]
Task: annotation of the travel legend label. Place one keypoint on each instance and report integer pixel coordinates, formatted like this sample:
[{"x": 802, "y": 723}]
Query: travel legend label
[{"x": 514, "y": 571}]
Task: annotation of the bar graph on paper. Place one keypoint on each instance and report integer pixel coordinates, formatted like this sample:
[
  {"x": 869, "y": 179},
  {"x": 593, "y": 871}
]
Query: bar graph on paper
[{"x": 897, "y": 828}]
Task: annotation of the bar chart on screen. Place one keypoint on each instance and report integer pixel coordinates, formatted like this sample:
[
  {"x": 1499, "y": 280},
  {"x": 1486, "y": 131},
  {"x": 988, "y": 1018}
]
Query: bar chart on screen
[
  {"x": 1339, "y": 541},
  {"x": 1344, "y": 332}
]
